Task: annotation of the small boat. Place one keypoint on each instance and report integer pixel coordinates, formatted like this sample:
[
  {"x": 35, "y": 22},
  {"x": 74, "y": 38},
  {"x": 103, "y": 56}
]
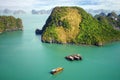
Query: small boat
[
  {"x": 56, "y": 70},
  {"x": 74, "y": 57}
]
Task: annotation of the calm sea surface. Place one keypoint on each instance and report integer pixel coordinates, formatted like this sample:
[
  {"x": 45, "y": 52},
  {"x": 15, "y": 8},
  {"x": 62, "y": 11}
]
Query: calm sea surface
[{"x": 24, "y": 57}]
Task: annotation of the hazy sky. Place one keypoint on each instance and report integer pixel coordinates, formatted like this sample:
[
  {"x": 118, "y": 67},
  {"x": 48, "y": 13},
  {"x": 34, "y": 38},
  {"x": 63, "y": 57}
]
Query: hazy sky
[{"x": 48, "y": 4}]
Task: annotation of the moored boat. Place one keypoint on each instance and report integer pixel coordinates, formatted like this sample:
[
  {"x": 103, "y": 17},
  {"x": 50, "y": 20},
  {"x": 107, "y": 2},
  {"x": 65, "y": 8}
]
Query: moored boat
[
  {"x": 74, "y": 57},
  {"x": 56, "y": 70}
]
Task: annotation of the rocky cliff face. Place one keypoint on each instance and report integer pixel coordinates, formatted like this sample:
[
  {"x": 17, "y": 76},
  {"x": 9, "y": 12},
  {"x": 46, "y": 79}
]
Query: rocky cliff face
[
  {"x": 75, "y": 25},
  {"x": 9, "y": 23}
]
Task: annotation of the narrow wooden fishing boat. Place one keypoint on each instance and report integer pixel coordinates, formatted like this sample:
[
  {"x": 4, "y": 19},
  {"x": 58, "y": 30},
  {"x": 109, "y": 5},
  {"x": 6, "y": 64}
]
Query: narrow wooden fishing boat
[{"x": 56, "y": 70}]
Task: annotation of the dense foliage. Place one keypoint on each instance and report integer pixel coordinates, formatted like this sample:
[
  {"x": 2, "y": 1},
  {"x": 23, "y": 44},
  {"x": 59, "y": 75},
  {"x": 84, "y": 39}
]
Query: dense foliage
[
  {"x": 49, "y": 33},
  {"x": 112, "y": 18},
  {"x": 96, "y": 31},
  {"x": 92, "y": 31},
  {"x": 9, "y": 23}
]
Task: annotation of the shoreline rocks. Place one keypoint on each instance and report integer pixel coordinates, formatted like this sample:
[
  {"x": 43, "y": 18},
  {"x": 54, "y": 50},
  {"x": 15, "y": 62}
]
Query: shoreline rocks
[{"x": 38, "y": 32}]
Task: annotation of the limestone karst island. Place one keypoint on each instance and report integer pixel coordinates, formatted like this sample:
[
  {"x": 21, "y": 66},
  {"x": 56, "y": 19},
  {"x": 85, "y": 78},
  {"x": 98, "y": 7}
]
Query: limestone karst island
[
  {"x": 75, "y": 26},
  {"x": 10, "y": 23}
]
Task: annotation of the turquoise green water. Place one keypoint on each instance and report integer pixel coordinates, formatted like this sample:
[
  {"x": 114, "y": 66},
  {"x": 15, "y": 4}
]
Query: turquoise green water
[{"x": 24, "y": 57}]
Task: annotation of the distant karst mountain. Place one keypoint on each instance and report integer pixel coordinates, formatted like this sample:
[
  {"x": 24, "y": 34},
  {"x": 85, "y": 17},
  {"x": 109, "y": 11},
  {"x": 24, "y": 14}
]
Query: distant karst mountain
[
  {"x": 41, "y": 11},
  {"x": 8, "y": 11},
  {"x": 75, "y": 26},
  {"x": 10, "y": 23},
  {"x": 19, "y": 12},
  {"x": 112, "y": 18},
  {"x": 98, "y": 11}
]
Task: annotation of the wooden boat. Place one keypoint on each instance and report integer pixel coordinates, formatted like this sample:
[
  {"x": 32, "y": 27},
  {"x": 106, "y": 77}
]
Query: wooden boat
[
  {"x": 74, "y": 57},
  {"x": 56, "y": 70}
]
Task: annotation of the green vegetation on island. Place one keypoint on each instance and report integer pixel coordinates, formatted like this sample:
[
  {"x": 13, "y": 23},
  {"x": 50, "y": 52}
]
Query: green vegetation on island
[
  {"x": 10, "y": 23},
  {"x": 74, "y": 25},
  {"x": 112, "y": 18}
]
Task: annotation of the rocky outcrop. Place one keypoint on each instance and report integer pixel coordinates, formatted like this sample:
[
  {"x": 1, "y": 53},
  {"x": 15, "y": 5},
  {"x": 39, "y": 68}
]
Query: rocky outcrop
[
  {"x": 10, "y": 23},
  {"x": 38, "y": 32},
  {"x": 74, "y": 25}
]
